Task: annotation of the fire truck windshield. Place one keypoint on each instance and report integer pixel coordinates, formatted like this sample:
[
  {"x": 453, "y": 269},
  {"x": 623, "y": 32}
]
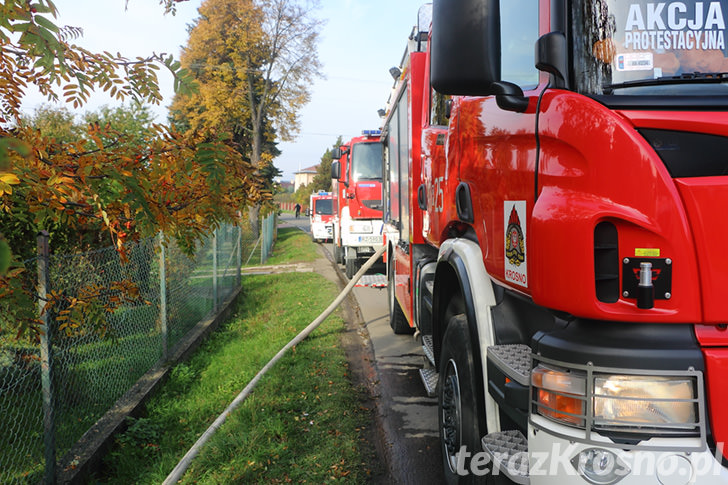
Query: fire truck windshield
[
  {"x": 366, "y": 161},
  {"x": 323, "y": 207},
  {"x": 648, "y": 47}
]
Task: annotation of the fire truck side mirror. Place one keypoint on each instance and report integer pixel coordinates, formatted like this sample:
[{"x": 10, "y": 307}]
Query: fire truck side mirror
[
  {"x": 336, "y": 154},
  {"x": 551, "y": 57},
  {"x": 466, "y": 45},
  {"x": 510, "y": 97},
  {"x": 336, "y": 170}
]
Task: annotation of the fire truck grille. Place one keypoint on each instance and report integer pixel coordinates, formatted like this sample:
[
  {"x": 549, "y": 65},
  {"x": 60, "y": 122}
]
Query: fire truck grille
[
  {"x": 373, "y": 204},
  {"x": 687, "y": 154},
  {"x": 606, "y": 262}
]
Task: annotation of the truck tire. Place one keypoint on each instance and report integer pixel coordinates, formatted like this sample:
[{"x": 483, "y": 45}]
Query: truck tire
[
  {"x": 397, "y": 320},
  {"x": 337, "y": 253},
  {"x": 458, "y": 413},
  {"x": 352, "y": 266}
]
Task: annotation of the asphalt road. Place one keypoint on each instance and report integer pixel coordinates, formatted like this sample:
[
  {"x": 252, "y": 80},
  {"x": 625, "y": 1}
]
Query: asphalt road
[{"x": 406, "y": 417}]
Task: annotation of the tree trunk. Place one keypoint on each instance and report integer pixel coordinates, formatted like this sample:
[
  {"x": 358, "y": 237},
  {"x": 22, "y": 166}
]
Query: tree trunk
[
  {"x": 257, "y": 148},
  {"x": 254, "y": 219}
]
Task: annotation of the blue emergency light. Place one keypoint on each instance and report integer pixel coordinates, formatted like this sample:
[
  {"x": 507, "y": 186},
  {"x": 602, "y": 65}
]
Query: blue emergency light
[{"x": 371, "y": 132}]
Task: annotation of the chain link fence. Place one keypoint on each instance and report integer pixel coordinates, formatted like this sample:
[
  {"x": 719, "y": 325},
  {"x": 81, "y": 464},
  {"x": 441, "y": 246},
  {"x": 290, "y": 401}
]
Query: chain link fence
[{"x": 45, "y": 409}]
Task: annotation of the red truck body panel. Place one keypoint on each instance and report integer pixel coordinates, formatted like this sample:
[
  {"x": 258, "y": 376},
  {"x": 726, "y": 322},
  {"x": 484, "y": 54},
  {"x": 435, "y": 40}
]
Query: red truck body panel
[
  {"x": 339, "y": 188},
  {"x": 716, "y": 368},
  {"x": 586, "y": 151},
  {"x": 414, "y": 83},
  {"x": 705, "y": 201}
]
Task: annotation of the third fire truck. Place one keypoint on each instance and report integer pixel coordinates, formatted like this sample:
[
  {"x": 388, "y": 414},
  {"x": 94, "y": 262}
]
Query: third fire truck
[
  {"x": 557, "y": 185},
  {"x": 321, "y": 216}
]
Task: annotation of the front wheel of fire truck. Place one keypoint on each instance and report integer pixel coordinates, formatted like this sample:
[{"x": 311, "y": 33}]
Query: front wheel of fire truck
[
  {"x": 352, "y": 263},
  {"x": 336, "y": 252},
  {"x": 459, "y": 421}
]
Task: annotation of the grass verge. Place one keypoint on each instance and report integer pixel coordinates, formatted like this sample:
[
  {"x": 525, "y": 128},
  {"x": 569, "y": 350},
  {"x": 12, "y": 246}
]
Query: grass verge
[
  {"x": 293, "y": 246},
  {"x": 303, "y": 423}
]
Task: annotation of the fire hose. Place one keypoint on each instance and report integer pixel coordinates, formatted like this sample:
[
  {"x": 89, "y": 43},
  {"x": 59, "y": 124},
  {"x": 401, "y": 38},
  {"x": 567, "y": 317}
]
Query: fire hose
[{"x": 186, "y": 460}]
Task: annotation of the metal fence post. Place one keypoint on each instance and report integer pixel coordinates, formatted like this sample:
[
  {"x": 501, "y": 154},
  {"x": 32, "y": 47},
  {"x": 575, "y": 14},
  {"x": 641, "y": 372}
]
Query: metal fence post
[
  {"x": 46, "y": 359},
  {"x": 264, "y": 242},
  {"x": 214, "y": 270},
  {"x": 269, "y": 225},
  {"x": 163, "y": 294},
  {"x": 239, "y": 261}
]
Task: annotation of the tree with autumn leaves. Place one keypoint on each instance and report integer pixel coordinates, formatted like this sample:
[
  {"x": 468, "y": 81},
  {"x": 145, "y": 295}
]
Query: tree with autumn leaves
[
  {"x": 182, "y": 182},
  {"x": 255, "y": 61}
]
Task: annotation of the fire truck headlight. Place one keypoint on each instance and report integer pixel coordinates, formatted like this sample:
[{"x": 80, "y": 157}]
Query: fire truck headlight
[
  {"x": 560, "y": 394},
  {"x": 599, "y": 467},
  {"x": 360, "y": 227},
  {"x": 661, "y": 403}
]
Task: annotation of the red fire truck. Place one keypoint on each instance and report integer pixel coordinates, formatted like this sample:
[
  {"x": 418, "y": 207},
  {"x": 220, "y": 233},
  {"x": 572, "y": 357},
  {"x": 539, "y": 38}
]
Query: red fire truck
[
  {"x": 556, "y": 179},
  {"x": 321, "y": 216},
  {"x": 357, "y": 179}
]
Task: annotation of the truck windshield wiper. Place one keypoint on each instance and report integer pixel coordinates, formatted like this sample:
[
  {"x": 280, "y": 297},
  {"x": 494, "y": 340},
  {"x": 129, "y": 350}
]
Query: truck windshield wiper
[{"x": 688, "y": 77}]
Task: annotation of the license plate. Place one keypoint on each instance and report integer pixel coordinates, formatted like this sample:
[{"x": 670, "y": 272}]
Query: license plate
[{"x": 371, "y": 239}]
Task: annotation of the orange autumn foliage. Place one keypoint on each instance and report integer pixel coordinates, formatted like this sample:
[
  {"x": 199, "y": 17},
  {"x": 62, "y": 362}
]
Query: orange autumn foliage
[{"x": 184, "y": 184}]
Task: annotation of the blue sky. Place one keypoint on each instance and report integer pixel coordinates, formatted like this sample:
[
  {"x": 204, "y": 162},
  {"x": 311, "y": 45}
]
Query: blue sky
[{"x": 361, "y": 40}]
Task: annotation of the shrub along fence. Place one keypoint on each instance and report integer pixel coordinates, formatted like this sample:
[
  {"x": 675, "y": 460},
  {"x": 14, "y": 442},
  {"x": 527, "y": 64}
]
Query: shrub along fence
[{"x": 53, "y": 391}]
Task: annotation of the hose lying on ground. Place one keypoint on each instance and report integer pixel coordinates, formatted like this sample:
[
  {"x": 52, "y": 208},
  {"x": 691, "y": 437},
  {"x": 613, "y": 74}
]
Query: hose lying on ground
[{"x": 186, "y": 460}]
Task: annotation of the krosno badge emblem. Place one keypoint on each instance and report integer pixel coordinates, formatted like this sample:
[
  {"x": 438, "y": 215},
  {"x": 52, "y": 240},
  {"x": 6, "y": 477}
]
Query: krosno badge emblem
[
  {"x": 515, "y": 252},
  {"x": 514, "y": 216}
]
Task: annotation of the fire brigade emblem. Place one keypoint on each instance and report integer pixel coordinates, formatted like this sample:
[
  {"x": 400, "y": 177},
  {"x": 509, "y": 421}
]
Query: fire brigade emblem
[{"x": 514, "y": 240}]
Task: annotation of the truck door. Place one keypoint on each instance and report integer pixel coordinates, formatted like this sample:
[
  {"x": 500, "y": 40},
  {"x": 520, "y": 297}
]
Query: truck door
[
  {"x": 498, "y": 150},
  {"x": 399, "y": 216},
  {"x": 436, "y": 172}
]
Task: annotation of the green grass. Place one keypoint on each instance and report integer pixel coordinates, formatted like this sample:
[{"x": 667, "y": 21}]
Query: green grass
[
  {"x": 303, "y": 423},
  {"x": 293, "y": 246}
]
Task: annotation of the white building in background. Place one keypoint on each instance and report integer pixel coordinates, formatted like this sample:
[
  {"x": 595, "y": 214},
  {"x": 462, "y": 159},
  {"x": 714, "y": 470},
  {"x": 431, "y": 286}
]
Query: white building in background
[{"x": 304, "y": 177}]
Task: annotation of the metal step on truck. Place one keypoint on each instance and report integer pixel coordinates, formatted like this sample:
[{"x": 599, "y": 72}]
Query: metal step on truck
[{"x": 556, "y": 180}]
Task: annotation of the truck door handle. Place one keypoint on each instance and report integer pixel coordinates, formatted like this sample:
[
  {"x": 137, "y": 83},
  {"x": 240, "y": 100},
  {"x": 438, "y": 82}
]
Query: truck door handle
[
  {"x": 422, "y": 197},
  {"x": 464, "y": 203}
]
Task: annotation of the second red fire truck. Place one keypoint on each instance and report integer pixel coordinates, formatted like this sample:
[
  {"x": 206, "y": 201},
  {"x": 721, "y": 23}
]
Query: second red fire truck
[{"x": 357, "y": 174}]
